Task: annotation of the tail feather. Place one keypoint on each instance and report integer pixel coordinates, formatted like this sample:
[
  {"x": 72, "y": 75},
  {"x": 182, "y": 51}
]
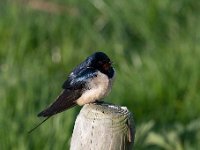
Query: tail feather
[
  {"x": 64, "y": 101},
  {"x": 50, "y": 111},
  {"x": 38, "y": 125}
]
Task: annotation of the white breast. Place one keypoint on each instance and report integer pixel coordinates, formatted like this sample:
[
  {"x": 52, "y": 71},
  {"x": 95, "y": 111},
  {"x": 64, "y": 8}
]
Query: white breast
[{"x": 99, "y": 87}]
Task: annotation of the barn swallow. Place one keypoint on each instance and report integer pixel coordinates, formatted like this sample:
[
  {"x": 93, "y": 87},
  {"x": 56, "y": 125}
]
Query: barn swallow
[{"x": 89, "y": 82}]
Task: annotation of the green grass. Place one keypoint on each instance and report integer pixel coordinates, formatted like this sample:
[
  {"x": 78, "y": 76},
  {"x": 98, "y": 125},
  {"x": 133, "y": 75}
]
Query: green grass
[{"x": 155, "y": 46}]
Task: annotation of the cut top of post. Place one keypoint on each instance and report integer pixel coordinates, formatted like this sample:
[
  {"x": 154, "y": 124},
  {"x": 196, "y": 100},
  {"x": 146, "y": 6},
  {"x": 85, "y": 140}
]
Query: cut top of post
[{"x": 102, "y": 126}]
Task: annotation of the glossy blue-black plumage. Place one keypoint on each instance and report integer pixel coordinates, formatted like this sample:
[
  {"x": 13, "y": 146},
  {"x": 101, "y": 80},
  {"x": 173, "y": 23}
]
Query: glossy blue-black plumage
[
  {"x": 79, "y": 79},
  {"x": 87, "y": 70}
]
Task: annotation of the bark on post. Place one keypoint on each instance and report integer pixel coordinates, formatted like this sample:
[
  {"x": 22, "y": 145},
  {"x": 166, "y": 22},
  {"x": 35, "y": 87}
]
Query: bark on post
[{"x": 103, "y": 126}]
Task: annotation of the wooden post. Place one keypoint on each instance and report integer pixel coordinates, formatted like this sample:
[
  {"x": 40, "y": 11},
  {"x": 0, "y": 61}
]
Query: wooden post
[{"x": 103, "y": 126}]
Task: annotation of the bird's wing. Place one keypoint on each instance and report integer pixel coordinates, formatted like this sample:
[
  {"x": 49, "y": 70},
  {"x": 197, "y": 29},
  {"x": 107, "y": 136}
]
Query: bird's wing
[
  {"x": 64, "y": 101},
  {"x": 73, "y": 89},
  {"x": 80, "y": 79}
]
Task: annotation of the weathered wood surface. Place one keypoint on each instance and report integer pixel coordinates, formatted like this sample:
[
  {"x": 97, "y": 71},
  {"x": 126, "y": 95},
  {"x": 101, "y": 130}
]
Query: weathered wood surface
[{"x": 103, "y": 126}]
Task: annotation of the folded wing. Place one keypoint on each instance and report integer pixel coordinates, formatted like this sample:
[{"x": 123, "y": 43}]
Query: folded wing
[
  {"x": 64, "y": 101},
  {"x": 73, "y": 89}
]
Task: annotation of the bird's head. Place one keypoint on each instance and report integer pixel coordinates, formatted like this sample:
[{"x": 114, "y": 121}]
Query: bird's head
[{"x": 101, "y": 62}]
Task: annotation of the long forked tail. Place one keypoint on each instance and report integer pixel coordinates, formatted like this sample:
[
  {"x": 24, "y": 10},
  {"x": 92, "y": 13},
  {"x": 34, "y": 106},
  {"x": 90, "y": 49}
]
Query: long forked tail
[
  {"x": 63, "y": 102},
  {"x": 38, "y": 125}
]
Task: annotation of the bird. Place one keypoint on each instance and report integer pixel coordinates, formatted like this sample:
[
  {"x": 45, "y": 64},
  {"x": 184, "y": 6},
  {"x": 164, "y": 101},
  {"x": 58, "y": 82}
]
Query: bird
[{"x": 89, "y": 82}]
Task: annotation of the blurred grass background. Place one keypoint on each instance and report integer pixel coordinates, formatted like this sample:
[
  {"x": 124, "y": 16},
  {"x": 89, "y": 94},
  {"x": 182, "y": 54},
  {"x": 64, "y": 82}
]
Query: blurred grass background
[{"x": 155, "y": 46}]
